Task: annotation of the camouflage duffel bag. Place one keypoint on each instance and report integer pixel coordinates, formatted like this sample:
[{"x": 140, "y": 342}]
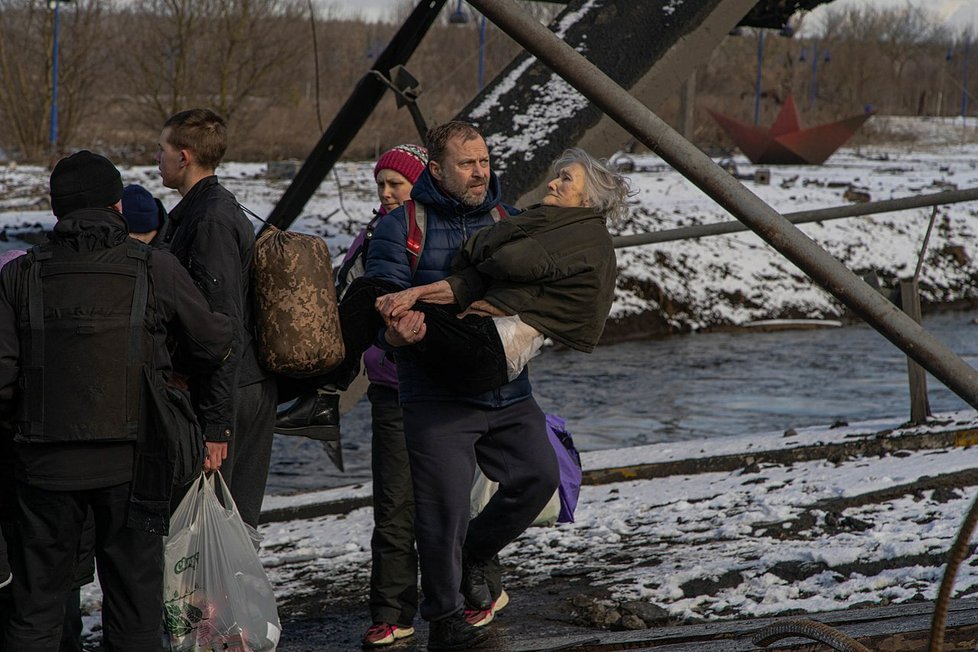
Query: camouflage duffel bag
[{"x": 297, "y": 322}]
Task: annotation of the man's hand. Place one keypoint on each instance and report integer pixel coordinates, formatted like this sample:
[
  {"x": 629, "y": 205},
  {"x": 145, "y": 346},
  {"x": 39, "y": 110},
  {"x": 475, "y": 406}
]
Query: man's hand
[
  {"x": 409, "y": 329},
  {"x": 217, "y": 452}
]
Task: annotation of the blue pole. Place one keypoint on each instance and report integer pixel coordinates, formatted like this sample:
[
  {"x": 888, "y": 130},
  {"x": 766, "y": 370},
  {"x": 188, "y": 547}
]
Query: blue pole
[
  {"x": 757, "y": 80},
  {"x": 964, "y": 82},
  {"x": 813, "y": 90},
  {"x": 54, "y": 83},
  {"x": 482, "y": 50}
]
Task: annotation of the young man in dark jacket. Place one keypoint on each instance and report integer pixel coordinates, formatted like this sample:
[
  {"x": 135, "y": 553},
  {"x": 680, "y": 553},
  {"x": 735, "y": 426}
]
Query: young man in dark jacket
[
  {"x": 504, "y": 430},
  {"x": 214, "y": 240},
  {"x": 75, "y": 337}
]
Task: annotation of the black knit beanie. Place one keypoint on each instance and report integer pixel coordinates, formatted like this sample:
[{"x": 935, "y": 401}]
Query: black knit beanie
[{"x": 84, "y": 180}]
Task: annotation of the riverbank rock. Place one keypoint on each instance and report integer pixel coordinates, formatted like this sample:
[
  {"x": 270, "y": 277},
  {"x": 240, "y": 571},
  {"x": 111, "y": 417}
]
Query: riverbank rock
[{"x": 593, "y": 611}]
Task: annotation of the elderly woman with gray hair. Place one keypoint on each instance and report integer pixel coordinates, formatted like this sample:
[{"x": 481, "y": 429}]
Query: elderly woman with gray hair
[{"x": 548, "y": 271}]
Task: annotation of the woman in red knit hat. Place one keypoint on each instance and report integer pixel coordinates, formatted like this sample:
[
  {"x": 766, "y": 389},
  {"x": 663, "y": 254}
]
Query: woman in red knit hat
[
  {"x": 394, "y": 562},
  {"x": 393, "y": 598}
]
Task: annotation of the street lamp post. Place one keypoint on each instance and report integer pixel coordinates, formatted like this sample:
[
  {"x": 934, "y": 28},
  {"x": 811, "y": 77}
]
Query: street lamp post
[
  {"x": 757, "y": 79},
  {"x": 53, "y": 5},
  {"x": 786, "y": 31},
  {"x": 966, "y": 45},
  {"x": 964, "y": 80},
  {"x": 482, "y": 50},
  {"x": 816, "y": 54},
  {"x": 459, "y": 17}
]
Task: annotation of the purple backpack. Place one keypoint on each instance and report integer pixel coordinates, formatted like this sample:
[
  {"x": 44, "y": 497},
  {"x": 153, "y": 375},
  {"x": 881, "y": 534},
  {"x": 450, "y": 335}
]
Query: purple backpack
[{"x": 569, "y": 462}]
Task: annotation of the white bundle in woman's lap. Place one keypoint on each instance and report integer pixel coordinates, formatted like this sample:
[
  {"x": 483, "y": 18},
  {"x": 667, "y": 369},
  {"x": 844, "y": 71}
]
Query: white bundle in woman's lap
[{"x": 521, "y": 342}]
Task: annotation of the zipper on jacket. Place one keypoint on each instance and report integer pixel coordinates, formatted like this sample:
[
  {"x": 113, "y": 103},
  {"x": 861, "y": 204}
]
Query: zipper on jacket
[{"x": 212, "y": 281}]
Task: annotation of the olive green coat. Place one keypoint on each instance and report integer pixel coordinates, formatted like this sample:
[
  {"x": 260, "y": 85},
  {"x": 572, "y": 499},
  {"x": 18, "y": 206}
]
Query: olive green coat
[{"x": 554, "y": 267}]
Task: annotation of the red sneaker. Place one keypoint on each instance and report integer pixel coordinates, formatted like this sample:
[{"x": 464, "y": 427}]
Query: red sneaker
[
  {"x": 381, "y": 634},
  {"x": 480, "y": 617}
]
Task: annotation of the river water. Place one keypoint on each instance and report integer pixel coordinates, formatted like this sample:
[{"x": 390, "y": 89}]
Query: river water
[{"x": 687, "y": 387}]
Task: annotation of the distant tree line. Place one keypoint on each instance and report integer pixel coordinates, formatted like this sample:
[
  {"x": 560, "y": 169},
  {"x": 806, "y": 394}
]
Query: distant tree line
[
  {"x": 279, "y": 70},
  {"x": 893, "y": 61}
]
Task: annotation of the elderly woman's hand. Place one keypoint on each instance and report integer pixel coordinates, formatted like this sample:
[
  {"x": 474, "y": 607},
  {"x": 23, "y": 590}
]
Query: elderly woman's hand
[{"x": 393, "y": 306}]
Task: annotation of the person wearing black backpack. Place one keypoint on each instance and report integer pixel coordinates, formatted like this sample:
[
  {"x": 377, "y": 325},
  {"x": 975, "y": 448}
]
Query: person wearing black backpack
[
  {"x": 82, "y": 319},
  {"x": 71, "y": 632}
]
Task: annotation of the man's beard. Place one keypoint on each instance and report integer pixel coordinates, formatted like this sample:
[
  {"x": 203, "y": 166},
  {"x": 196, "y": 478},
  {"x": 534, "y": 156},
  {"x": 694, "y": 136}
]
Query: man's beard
[{"x": 468, "y": 196}]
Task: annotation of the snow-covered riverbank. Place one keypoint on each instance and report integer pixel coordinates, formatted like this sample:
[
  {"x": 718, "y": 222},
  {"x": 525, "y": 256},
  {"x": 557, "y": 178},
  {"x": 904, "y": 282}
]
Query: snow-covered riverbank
[{"x": 695, "y": 284}]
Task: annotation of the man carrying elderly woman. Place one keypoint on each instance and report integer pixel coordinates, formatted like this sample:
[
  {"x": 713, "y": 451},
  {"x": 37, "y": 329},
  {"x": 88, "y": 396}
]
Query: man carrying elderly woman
[{"x": 463, "y": 340}]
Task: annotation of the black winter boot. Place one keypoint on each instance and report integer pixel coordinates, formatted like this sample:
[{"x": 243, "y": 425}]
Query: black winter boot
[{"x": 316, "y": 416}]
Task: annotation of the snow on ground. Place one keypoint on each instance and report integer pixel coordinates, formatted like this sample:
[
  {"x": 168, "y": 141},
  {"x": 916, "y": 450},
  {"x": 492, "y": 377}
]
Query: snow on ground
[
  {"x": 812, "y": 536},
  {"x": 763, "y": 540},
  {"x": 737, "y": 278}
]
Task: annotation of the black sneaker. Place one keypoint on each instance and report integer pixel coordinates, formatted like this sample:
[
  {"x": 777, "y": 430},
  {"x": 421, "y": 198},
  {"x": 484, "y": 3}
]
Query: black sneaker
[
  {"x": 475, "y": 589},
  {"x": 453, "y": 633}
]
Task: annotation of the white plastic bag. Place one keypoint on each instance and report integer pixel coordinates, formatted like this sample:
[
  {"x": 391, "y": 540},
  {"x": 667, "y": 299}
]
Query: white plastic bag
[
  {"x": 216, "y": 595},
  {"x": 521, "y": 343},
  {"x": 483, "y": 488}
]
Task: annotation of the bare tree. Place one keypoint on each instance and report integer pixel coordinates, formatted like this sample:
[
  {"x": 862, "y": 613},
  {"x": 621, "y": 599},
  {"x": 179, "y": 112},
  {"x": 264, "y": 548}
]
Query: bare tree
[
  {"x": 26, "y": 49},
  {"x": 224, "y": 54},
  {"x": 25, "y": 65}
]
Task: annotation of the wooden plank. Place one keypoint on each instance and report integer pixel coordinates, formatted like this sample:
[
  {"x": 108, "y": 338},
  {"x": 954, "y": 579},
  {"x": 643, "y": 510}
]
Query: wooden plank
[
  {"x": 919, "y": 405},
  {"x": 896, "y": 628},
  {"x": 870, "y": 445}
]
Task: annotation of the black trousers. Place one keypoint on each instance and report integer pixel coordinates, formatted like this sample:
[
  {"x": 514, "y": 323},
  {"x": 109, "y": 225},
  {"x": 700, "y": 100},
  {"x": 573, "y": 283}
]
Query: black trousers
[
  {"x": 445, "y": 441},
  {"x": 464, "y": 354},
  {"x": 43, "y": 548},
  {"x": 393, "y": 559},
  {"x": 250, "y": 450},
  {"x": 84, "y": 573}
]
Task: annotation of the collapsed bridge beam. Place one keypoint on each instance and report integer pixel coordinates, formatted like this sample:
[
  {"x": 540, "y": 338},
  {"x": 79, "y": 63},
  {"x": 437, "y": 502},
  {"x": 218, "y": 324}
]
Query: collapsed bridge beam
[
  {"x": 802, "y": 217},
  {"x": 733, "y": 196},
  {"x": 530, "y": 115},
  {"x": 353, "y": 115}
]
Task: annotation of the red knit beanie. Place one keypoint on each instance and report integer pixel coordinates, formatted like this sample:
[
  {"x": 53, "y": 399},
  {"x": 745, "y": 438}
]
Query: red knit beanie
[{"x": 409, "y": 160}]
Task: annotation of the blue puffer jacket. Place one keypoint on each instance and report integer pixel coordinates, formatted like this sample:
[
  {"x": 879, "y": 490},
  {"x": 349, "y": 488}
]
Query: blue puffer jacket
[{"x": 449, "y": 224}]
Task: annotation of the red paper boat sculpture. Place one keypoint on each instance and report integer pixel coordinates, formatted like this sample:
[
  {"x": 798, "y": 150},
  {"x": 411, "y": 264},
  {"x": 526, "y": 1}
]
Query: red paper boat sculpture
[{"x": 785, "y": 142}]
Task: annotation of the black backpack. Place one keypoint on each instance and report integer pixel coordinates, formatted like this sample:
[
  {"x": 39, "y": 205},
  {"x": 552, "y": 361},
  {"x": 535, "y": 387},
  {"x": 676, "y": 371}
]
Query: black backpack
[
  {"x": 84, "y": 345},
  {"x": 87, "y": 360}
]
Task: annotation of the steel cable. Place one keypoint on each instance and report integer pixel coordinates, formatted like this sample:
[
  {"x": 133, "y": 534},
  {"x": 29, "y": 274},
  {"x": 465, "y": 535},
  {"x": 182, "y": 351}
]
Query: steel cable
[{"x": 810, "y": 629}]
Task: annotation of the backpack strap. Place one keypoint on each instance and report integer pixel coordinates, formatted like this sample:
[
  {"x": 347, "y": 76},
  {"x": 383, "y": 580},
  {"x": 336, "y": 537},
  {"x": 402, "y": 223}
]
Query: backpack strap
[
  {"x": 139, "y": 356},
  {"x": 140, "y": 295},
  {"x": 35, "y": 314},
  {"x": 417, "y": 219},
  {"x": 35, "y": 304},
  {"x": 355, "y": 260},
  {"x": 499, "y": 213},
  {"x": 417, "y": 222}
]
